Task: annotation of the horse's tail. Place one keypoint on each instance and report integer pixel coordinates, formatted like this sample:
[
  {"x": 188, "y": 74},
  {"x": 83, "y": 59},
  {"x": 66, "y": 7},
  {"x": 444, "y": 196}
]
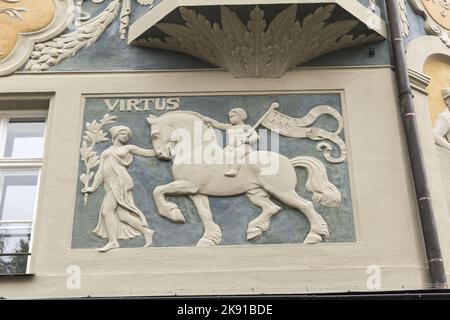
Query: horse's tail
[{"x": 324, "y": 192}]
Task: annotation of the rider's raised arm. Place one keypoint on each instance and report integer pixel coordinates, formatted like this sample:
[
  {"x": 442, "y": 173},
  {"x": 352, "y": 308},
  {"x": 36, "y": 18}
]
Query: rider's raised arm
[
  {"x": 216, "y": 124},
  {"x": 141, "y": 151}
]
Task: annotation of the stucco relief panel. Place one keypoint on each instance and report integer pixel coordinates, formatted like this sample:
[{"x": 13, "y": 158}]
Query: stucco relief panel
[{"x": 213, "y": 170}]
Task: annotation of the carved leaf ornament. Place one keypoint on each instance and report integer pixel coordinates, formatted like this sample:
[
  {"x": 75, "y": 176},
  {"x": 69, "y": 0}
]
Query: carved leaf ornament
[
  {"x": 404, "y": 18},
  {"x": 52, "y": 52},
  {"x": 89, "y": 30},
  {"x": 258, "y": 49}
]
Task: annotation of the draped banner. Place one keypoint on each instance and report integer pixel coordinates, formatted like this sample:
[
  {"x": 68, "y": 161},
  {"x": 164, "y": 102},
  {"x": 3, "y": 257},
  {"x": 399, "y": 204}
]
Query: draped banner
[{"x": 301, "y": 128}]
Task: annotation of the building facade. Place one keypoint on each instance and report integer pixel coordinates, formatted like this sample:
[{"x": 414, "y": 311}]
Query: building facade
[{"x": 220, "y": 147}]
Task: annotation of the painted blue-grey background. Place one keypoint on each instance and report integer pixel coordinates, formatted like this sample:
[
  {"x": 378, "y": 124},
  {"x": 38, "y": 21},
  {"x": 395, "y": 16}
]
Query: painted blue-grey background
[
  {"x": 110, "y": 53},
  {"x": 232, "y": 213}
]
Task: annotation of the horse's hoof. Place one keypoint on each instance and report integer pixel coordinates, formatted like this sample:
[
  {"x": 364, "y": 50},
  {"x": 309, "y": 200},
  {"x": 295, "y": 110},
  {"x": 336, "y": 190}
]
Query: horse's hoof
[
  {"x": 176, "y": 216},
  {"x": 203, "y": 242},
  {"x": 253, "y": 233},
  {"x": 313, "y": 238}
]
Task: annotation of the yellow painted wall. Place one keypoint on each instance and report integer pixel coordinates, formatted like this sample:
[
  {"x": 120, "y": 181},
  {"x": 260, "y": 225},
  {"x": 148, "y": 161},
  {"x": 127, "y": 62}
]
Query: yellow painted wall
[
  {"x": 438, "y": 69},
  {"x": 38, "y": 15}
]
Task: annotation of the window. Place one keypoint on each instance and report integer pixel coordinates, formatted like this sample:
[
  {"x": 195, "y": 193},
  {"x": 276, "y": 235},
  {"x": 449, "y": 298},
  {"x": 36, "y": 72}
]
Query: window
[{"x": 21, "y": 153}]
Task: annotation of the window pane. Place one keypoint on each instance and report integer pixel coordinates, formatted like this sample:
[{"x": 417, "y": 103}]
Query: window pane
[
  {"x": 25, "y": 139},
  {"x": 18, "y": 195},
  {"x": 13, "y": 264},
  {"x": 15, "y": 237}
]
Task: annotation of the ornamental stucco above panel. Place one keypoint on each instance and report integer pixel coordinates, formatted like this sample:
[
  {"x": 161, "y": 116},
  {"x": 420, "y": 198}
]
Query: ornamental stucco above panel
[{"x": 94, "y": 39}]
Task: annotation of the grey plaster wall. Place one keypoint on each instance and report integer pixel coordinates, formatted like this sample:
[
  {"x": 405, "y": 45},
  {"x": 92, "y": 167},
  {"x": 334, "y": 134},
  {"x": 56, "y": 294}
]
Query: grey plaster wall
[
  {"x": 416, "y": 25},
  {"x": 232, "y": 213}
]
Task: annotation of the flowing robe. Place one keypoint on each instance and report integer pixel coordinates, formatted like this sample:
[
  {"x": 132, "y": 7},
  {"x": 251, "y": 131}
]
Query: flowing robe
[{"x": 118, "y": 182}]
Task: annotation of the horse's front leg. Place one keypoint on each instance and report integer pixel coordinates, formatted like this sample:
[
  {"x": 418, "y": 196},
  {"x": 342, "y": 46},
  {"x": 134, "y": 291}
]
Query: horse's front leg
[
  {"x": 169, "y": 209},
  {"x": 212, "y": 235}
]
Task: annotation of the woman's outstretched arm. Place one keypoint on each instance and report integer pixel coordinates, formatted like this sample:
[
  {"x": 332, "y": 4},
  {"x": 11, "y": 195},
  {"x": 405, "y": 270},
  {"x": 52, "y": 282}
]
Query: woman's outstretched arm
[{"x": 141, "y": 151}]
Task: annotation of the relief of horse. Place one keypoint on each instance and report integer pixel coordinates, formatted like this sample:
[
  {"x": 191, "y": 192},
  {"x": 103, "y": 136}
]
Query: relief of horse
[{"x": 174, "y": 132}]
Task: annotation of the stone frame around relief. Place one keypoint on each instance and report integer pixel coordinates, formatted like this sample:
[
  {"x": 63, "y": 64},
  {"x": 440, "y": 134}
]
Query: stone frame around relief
[{"x": 341, "y": 98}]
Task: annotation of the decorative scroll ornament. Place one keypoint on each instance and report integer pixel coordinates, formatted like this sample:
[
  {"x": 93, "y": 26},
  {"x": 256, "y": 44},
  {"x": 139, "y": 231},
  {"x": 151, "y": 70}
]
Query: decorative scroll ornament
[
  {"x": 92, "y": 135},
  {"x": 404, "y": 18},
  {"x": 51, "y": 53},
  {"x": 125, "y": 15},
  {"x": 26, "y": 22},
  {"x": 125, "y": 12},
  {"x": 437, "y": 17},
  {"x": 14, "y": 13},
  {"x": 258, "y": 49},
  {"x": 35, "y": 46},
  {"x": 439, "y": 10},
  {"x": 301, "y": 128}
]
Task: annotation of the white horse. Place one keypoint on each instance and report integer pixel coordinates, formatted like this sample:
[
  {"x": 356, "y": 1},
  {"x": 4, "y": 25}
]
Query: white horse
[{"x": 201, "y": 176}]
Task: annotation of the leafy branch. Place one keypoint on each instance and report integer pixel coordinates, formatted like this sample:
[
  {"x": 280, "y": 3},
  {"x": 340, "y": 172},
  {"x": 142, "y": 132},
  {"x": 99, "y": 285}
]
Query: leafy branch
[
  {"x": 92, "y": 135},
  {"x": 51, "y": 53}
]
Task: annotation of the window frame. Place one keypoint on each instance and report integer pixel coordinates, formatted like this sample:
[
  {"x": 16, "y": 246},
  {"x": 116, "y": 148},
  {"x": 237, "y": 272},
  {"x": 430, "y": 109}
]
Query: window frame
[{"x": 22, "y": 165}]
